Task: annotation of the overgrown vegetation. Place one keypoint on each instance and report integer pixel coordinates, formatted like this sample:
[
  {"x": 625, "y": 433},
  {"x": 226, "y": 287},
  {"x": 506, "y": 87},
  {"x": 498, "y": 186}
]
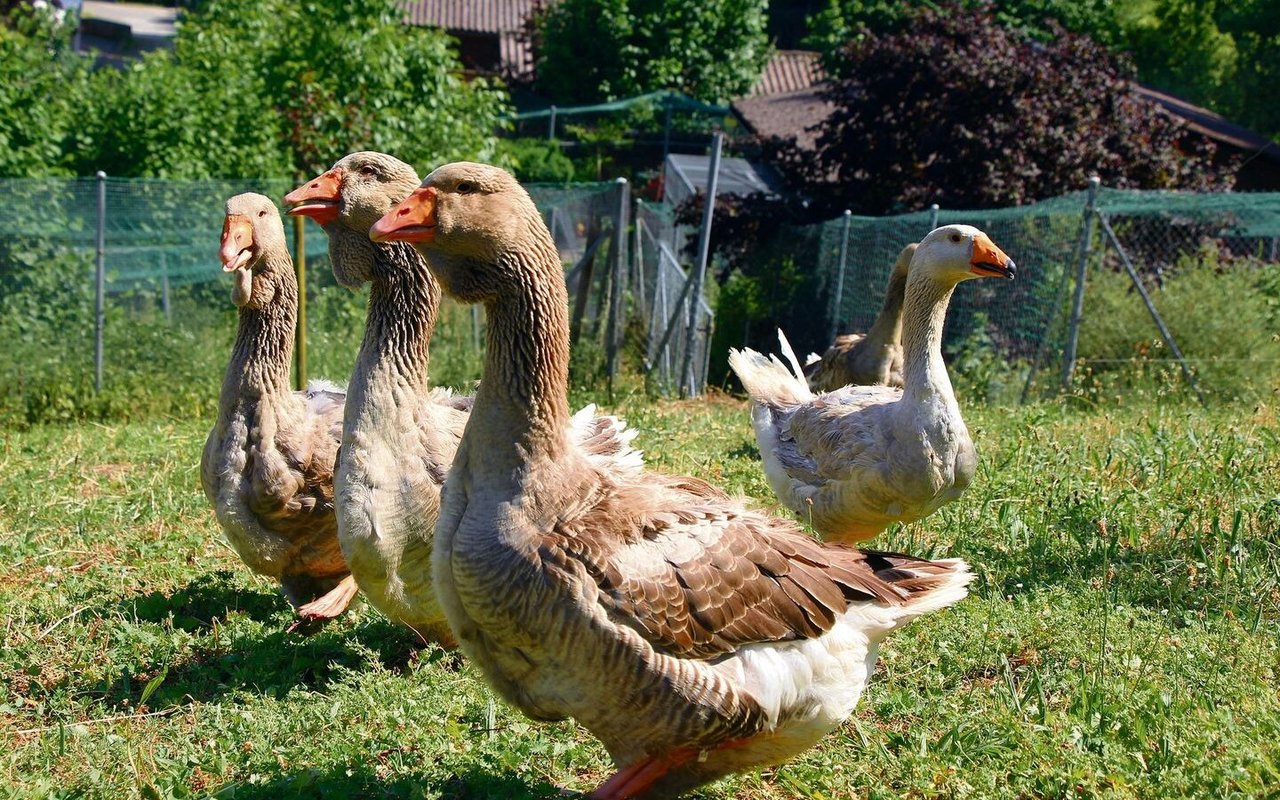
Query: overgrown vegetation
[
  {"x": 960, "y": 110},
  {"x": 1224, "y": 317},
  {"x": 589, "y": 50},
  {"x": 1121, "y": 639}
]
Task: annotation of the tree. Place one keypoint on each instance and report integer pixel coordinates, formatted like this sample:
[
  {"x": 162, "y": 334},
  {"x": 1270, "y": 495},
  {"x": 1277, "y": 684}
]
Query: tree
[
  {"x": 592, "y": 50},
  {"x": 318, "y": 79},
  {"x": 965, "y": 112},
  {"x": 43, "y": 89},
  {"x": 1223, "y": 55}
]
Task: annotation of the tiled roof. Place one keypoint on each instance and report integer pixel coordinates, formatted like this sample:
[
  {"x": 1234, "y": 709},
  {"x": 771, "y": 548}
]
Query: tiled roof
[
  {"x": 786, "y": 114},
  {"x": 478, "y": 16},
  {"x": 1212, "y": 125},
  {"x": 788, "y": 71}
]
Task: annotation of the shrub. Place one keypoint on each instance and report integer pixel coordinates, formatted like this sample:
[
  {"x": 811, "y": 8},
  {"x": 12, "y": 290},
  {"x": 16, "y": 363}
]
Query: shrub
[
  {"x": 962, "y": 111},
  {"x": 1220, "y": 316}
]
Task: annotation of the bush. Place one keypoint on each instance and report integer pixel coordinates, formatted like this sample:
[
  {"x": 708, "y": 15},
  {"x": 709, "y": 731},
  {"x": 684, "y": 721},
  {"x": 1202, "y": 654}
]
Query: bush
[
  {"x": 965, "y": 112},
  {"x": 536, "y": 160}
]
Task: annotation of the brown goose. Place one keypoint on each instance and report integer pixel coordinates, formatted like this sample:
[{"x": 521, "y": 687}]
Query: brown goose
[
  {"x": 399, "y": 434},
  {"x": 267, "y": 466},
  {"x": 855, "y": 460},
  {"x": 871, "y": 358},
  {"x": 694, "y": 636}
]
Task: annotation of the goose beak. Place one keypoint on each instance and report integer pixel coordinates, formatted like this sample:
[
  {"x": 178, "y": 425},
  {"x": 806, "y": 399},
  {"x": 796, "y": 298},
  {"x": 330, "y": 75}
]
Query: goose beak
[
  {"x": 989, "y": 261},
  {"x": 237, "y": 242},
  {"x": 414, "y": 220},
  {"x": 318, "y": 199}
]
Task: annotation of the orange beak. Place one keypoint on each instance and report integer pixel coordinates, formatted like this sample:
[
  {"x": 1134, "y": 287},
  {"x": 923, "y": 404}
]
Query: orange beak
[
  {"x": 318, "y": 199},
  {"x": 237, "y": 242},
  {"x": 414, "y": 220},
  {"x": 990, "y": 261}
]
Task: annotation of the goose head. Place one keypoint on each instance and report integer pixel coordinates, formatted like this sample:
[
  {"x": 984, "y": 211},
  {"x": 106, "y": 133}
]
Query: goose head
[
  {"x": 347, "y": 200},
  {"x": 476, "y": 226},
  {"x": 955, "y": 253},
  {"x": 251, "y": 230}
]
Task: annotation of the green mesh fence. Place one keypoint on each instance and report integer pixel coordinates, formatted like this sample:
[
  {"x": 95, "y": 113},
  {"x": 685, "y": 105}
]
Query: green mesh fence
[
  {"x": 799, "y": 283},
  {"x": 1207, "y": 262},
  {"x": 168, "y": 316}
]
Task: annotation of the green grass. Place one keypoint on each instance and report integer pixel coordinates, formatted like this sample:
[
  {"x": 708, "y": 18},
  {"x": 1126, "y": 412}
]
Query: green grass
[{"x": 1121, "y": 640}]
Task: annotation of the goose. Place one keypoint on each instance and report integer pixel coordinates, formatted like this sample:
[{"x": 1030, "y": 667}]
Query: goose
[
  {"x": 854, "y": 460},
  {"x": 874, "y": 357},
  {"x": 694, "y": 636},
  {"x": 267, "y": 465},
  {"x": 399, "y": 433}
]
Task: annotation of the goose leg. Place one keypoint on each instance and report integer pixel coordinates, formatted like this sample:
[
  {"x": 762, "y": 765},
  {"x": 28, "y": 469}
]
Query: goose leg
[
  {"x": 634, "y": 780},
  {"x": 331, "y": 604}
]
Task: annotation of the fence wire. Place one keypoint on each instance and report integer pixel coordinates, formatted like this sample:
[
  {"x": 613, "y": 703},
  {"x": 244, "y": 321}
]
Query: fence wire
[
  {"x": 160, "y": 250},
  {"x": 804, "y": 287},
  {"x": 1207, "y": 261}
]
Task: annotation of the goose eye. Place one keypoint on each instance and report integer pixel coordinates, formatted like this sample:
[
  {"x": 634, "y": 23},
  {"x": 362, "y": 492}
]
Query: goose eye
[
  {"x": 466, "y": 187},
  {"x": 955, "y": 237},
  {"x": 262, "y": 213},
  {"x": 370, "y": 171}
]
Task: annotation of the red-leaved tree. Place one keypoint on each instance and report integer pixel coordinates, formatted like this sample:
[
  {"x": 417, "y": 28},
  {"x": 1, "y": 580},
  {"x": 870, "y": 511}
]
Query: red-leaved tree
[{"x": 958, "y": 110}]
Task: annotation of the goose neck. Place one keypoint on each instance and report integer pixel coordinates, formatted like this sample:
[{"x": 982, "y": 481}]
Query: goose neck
[
  {"x": 262, "y": 355},
  {"x": 887, "y": 327},
  {"x": 924, "y": 313},
  {"x": 521, "y": 411},
  {"x": 404, "y": 303}
]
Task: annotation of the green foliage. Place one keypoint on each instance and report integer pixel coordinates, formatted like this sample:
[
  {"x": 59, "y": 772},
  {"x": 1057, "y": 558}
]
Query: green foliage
[
  {"x": 917, "y": 110},
  {"x": 536, "y": 160},
  {"x": 250, "y": 90},
  {"x": 1223, "y": 55},
  {"x": 160, "y": 118},
  {"x": 1220, "y": 315},
  {"x": 592, "y": 50},
  {"x": 337, "y": 77},
  {"x": 44, "y": 89}
]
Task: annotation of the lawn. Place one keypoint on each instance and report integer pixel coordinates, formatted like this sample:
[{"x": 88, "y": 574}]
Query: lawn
[{"x": 1121, "y": 640}]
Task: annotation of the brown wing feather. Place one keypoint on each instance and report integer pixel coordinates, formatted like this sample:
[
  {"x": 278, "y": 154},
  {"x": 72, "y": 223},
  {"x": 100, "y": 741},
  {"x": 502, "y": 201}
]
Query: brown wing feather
[{"x": 700, "y": 577}]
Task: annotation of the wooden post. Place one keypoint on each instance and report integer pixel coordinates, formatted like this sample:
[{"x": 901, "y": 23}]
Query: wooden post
[{"x": 300, "y": 333}]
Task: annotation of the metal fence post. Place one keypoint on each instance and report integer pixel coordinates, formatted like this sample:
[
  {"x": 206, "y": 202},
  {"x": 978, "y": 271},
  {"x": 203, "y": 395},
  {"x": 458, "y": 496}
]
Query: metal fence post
[
  {"x": 99, "y": 306},
  {"x": 164, "y": 286},
  {"x": 300, "y": 333},
  {"x": 700, "y": 268},
  {"x": 933, "y": 217},
  {"x": 613, "y": 329},
  {"x": 1077, "y": 301},
  {"x": 844, "y": 258},
  {"x": 551, "y": 125}
]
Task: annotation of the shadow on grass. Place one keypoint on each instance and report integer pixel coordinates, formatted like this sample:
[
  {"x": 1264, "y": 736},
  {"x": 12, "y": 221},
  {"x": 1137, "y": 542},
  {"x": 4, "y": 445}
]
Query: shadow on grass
[
  {"x": 239, "y": 642},
  {"x": 210, "y": 597},
  {"x": 350, "y": 781}
]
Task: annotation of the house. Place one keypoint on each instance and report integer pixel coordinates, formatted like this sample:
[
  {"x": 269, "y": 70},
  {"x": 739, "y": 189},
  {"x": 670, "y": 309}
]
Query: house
[{"x": 490, "y": 33}]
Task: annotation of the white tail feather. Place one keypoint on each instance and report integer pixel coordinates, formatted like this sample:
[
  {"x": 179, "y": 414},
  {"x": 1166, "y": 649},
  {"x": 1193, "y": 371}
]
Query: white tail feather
[
  {"x": 768, "y": 380},
  {"x": 791, "y": 355}
]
